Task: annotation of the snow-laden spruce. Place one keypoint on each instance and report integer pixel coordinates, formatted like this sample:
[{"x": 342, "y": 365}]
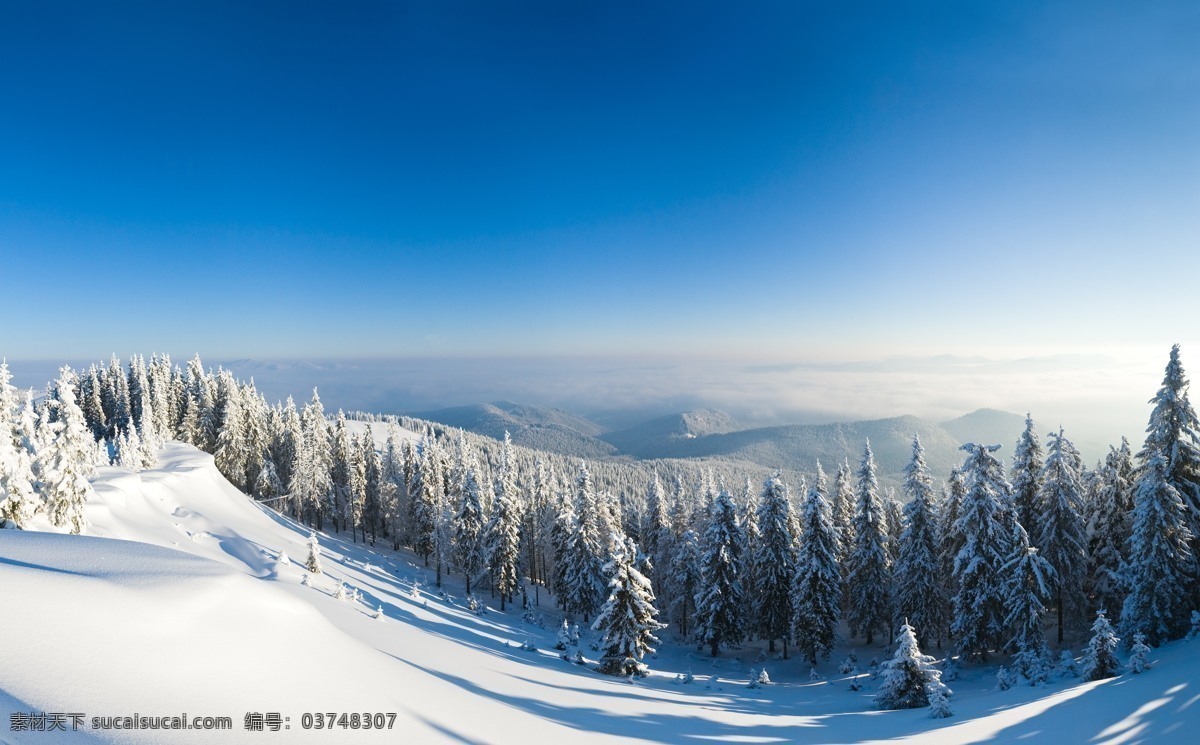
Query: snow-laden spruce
[
  {"x": 1100, "y": 658},
  {"x": 817, "y": 591},
  {"x": 1026, "y": 477},
  {"x": 909, "y": 677},
  {"x": 1109, "y": 526},
  {"x": 1173, "y": 433},
  {"x": 686, "y": 578},
  {"x": 1028, "y": 579},
  {"x": 63, "y": 461},
  {"x": 920, "y": 593},
  {"x": 1059, "y": 521},
  {"x": 313, "y": 562},
  {"x": 719, "y": 600},
  {"x": 775, "y": 556},
  {"x": 503, "y": 537},
  {"x": 869, "y": 575},
  {"x": 627, "y": 619},
  {"x": 19, "y": 500},
  {"x": 583, "y": 575},
  {"x": 979, "y": 604},
  {"x": 470, "y": 555}
]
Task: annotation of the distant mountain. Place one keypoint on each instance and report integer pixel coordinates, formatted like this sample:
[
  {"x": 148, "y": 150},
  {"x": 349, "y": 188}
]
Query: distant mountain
[
  {"x": 988, "y": 427},
  {"x": 800, "y": 446},
  {"x": 538, "y": 427},
  {"x": 660, "y": 433}
]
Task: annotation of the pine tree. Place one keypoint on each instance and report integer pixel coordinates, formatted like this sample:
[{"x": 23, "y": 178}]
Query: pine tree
[
  {"x": 340, "y": 472},
  {"x": 920, "y": 596},
  {"x": 952, "y": 539},
  {"x": 311, "y": 484},
  {"x": 268, "y": 488},
  {"x": 391, "y": 477},
  {"x": 909, "y": 677},
  {"x": 1100, "y": 657},
  {"x": 1028, "y": 579},
  {"x": 1026, "y": 475},
  {"x": 503, "y": 531},
  {"x": 1174, "y": 434},
  {"x": 1109, "y": 527},
  {"x": 627, "y": 618},
  {"x": 425, "y": 490},
  {"x": 1161, "y": 564},
  {"x": 817, "y": 589},
  {"x": 64, "y": 461},
  {"x": 1061, "y": 539},
  {"x": 869, "y": 578},
  {"x": 583, "y": 573},
  {"x": 893, "y": 513},
  {"x": 775, "y": 557},
  {"x": 686, "y": 578},
  {"x": 1138, "y": 654},
  {"x": 313, "y": 563},
  {"x": 843, "y": 512},
  {"x": 469, "y": 553},
  {"x": 18, "y": 498},
  {"x": 719, "y": 601},
  {"x": 979, "y": 604}
]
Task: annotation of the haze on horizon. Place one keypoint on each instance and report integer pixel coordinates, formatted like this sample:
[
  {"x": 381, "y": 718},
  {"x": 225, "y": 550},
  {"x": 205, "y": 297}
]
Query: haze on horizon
[{"x": 715, "y": 190}]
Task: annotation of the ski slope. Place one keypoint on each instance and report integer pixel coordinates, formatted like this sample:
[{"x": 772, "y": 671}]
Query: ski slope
[{"x": 179, "y": 599}]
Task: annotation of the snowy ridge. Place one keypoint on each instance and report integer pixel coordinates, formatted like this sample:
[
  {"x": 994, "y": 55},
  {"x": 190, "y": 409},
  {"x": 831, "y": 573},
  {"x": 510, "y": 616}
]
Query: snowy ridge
[{"x": 178, "y": 601}]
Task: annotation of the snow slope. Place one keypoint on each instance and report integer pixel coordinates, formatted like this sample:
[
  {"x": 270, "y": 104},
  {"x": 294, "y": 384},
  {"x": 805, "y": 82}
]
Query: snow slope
[{"x": 178, "y": 601}]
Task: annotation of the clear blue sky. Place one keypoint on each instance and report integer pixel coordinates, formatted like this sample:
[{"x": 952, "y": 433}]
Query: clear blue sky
[{"x": 320, "y": 179}]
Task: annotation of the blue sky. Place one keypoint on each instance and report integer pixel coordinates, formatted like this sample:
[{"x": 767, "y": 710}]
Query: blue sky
[{"x": 847, "y": 180}]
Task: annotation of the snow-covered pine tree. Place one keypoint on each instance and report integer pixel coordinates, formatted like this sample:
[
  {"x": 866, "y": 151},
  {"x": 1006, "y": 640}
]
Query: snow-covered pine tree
[
  {"x": 1028, "y": 580},
  {"x": 719, "y": 600},
  {"x": 232, "y": 443},
  {"x": 313, "y": 563},
  {"x": 560, "y": 534},
  {"x": 920, "y": 594},
  {"x": 1109, "y": 527},
  {"x": 311, "y": 484},
  {"x": 775, "y": 557},
  {"x": 686, "y": 578},
  {"x": 1138, "y": 654},
  {"x": 503, "y": 530},
  {"x": 424, "y": 488},
  {"x": 64, "y": 461},
  {"x": 1174, "y": 433},
  {"x": 870, "y": 576},
  {"x": 583, "y": 575},
  {"x": 843, "y": 512},
  {"x": 1100, "y": 658},
  {"x": 953, "y": 492},
  {"x": 979, "y": 605},
  {"x": 627, "y": 618},
  {"x": 469, "y": 552},
  {"x": 340, "y": 469},
  {"x": 129, "y": 449},
  {"x": 909, "y": 677},
  {"x": 18, "y": 498},
  {"x": 391, "y": 476},
  {"x": 1059, "y": 519},
  {"x": 817, "y": 589},
  {"x": 1161, "y": 565},
  {"x": 748, "y": 517},
  {"x": 268, "y": 488},
  {"x": 1026, "y": 477},
  {"x": 893, "y": 513}
]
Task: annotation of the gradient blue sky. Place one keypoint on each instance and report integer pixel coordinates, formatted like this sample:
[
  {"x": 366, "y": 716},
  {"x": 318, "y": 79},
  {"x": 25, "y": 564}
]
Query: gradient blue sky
[{"x": 318, "y": 179}]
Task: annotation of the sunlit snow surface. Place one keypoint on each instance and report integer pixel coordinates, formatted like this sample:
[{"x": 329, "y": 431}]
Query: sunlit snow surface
[{"x": 177, "y": 602}]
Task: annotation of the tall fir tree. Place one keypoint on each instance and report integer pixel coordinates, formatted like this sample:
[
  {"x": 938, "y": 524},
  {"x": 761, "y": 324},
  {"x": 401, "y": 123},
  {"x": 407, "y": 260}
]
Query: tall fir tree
[
  {"x": 583, "y": 575},
  {"x": 686, "y": 577},
  {"x": 1109, "y": 526},
  {"x": 870, "y": 574},
  {"x": 626, "y": 619},
  {"x": 775, "y": 556},
  {"x": 979, "y": 605},
  {"x": 909, "y": 678},
  {"x": 1060, "y": 529},
  {"x": 719, "y": 601},
  {"x": 503, "y": 531},
  {"x": 920, "y": 594},
  {"x": 470, "y": 554},
  {"x": 65, "y": 459},
  {"x": 1174, "y": 434},
  {"x": 1028, "y": 581},
  {"x": 1161, "y": 565},
  {"x": 18, "y": 498},
  {"x": 1026, "y": 477},
  {"x": 817, "y": 588}
]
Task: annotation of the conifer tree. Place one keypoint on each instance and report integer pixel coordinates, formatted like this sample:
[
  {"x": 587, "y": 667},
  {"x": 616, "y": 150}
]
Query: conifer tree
[
  {"x": 979, "y": 605},
  {"x": 952, "y": 539},
  {"x": 775, "y": 557},
  {"x": 469, "y": 552},
  {"x": 391, "y": 477},
  {"x": 503, "y": 531},
  {"x": 869, "y": 577},
  {"x": 18, "y": 498},
  {"x": 313, "y": 563},
  {"x": 686, "y": 578},
  {"x": 843, "y": 512},
  {"x": 560, "y": 535},
  {"x": 268, "y": 488},
  {"x": 583, "y": 575},
  {"x": 1028, "y": 580},
  {"x": 920, "y": 595},
  {"x": 1100, "y": 658},
  {"x": 1061, "y": 540},
  {"x": 909, "y": 677},
  {"x": 893, "y": 513},
  {"x": 719, "y": 601},
  {"x": 1174, "y": 434},
  {"x": 230, "y": 453},
  {"x": 660, "y": 539},
  {"x": 425, "y": 490},
  {"x": 1109, "y": 526},
  {"x": 1026, "y": 476},
  {"x": 817, "y": 589},
  {"x": 340, "y": 472},
  {"x": 311, "y": 484},
  {"x": 1161, "y": 565},
  {"x": 627, "y": 617}
]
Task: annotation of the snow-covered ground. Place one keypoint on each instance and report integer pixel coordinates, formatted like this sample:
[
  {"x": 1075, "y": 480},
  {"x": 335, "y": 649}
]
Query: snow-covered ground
[{"x": 178, "y": 601}]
